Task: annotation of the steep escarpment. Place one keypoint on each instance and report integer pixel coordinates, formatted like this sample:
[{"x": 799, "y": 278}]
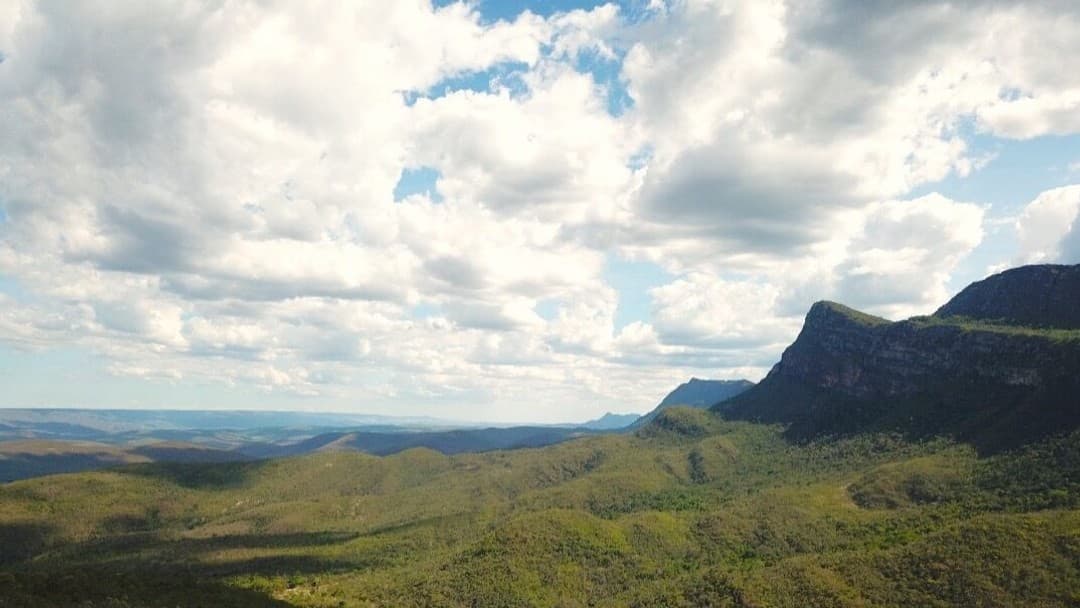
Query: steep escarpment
[
  {"x": 878, "y": 360},
  {"x": 992, "y": 383}
]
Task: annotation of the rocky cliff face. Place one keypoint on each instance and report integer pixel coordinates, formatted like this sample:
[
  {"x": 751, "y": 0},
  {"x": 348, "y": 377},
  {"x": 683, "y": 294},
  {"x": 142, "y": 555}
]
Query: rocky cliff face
[
  {"x": 1039, "y": 296},
  {"x": 877, "y": 360},
  {"x": 848, "y": 371}
]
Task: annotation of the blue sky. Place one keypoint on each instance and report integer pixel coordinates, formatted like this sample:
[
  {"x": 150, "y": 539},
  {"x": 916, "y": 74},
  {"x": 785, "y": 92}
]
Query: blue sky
[
  {"x": 461, "y": 211},
  {"x": 1017, "y": 172}
]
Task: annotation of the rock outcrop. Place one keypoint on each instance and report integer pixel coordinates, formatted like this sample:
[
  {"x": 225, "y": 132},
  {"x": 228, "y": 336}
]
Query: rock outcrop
[
  {"x": 881, "y": 359},
  {"x": 848, "y": 371}
]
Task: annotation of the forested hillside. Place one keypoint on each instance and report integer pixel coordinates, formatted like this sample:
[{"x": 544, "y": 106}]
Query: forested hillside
[{"x": 691, "y": 511}]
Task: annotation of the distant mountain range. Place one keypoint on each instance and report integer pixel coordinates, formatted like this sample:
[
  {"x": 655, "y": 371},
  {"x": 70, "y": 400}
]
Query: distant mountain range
[
  {"x": 74, "y": 423},
  {"x": 36, "y": 442},
  {"x": 611, "y": 422},
  {"x": 49, "y": 441}
]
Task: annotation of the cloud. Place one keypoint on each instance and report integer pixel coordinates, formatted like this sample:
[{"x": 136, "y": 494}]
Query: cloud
[
  {"x": 900, "y": 261},
  {"x": 202, "y": 193},
  {"x": 705, "y": 310},
  {"x": 894, "y": 258},
  {"x": 759, "y": 198},
  {"x": 767, "y": 119},
  {"x": 1047, "y": 229},
  {"x": 154, "y": 321},
  {"x": 553, "y": 153}
]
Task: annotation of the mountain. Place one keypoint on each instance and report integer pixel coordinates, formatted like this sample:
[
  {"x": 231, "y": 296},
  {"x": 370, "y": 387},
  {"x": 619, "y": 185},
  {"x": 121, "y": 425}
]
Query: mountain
[
  {"x": 610, "y": 422},
  {"x": 1037, "y": 296},
  {"x": 988, "y": 367},
  {"x": 697, "y": 393},
  {"x": 22, "y": 459},
  {"x": 104, "y": 424},
  {"x": 26, "y": 458},
  {"x": 35, "y": 442}
]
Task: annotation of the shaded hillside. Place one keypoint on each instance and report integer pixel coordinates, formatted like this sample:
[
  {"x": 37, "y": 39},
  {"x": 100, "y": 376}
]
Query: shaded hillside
[
  {"x": 446, "y": 442},
  {"x": 1037, "y": 296},
  {"x": 32, "y": 458},
  {"x": 22, "y": 459},
  {"x": 994, "y": 384},
  {"x": 697, "y": 393}
]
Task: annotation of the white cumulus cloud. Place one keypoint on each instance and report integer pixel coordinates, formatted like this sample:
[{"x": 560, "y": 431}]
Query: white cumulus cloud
[{"x": 204, "y": 192}]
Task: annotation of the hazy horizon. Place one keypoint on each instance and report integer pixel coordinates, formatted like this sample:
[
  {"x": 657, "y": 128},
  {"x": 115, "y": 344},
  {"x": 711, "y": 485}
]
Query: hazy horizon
[{"x": 355, "y": 412}]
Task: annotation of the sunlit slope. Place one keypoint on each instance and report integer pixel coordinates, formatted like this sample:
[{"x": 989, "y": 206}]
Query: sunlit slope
[{"x": 693, "y": 510}]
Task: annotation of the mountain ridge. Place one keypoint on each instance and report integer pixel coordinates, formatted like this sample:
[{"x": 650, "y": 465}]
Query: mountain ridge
[
  {"x": 994, "y": 383},
  {"x": 610, "y": 422},
  {"x": 697, "y": 393},
  {"x": 1003, "y": 297}
]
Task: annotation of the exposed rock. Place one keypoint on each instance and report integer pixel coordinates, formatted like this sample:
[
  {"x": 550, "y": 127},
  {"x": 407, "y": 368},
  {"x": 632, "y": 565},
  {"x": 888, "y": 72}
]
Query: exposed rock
[
  {"x": 848, "y": 371},
  {"x": 836, "y": 351}
]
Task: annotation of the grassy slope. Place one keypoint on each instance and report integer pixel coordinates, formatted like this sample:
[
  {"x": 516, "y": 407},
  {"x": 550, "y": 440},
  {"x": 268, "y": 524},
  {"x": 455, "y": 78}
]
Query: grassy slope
[
  {"x": 692, "y": 511},
  {"x": 962, "y": 322},
  {"x": 969, "y": 324},
  {"x": 858, "y": 316}
]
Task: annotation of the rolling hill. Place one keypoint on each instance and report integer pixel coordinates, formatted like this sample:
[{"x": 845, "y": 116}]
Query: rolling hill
[
  {"x": 445, "y": 442},
  {"x": 36, "y": 443}
]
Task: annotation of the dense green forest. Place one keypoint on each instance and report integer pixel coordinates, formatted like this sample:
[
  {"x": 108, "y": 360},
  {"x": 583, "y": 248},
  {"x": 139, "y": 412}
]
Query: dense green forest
[{"x": 692, "y": 510}]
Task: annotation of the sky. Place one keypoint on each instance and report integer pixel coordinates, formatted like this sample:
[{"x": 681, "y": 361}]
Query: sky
[{"x": 504, "y": 211}]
